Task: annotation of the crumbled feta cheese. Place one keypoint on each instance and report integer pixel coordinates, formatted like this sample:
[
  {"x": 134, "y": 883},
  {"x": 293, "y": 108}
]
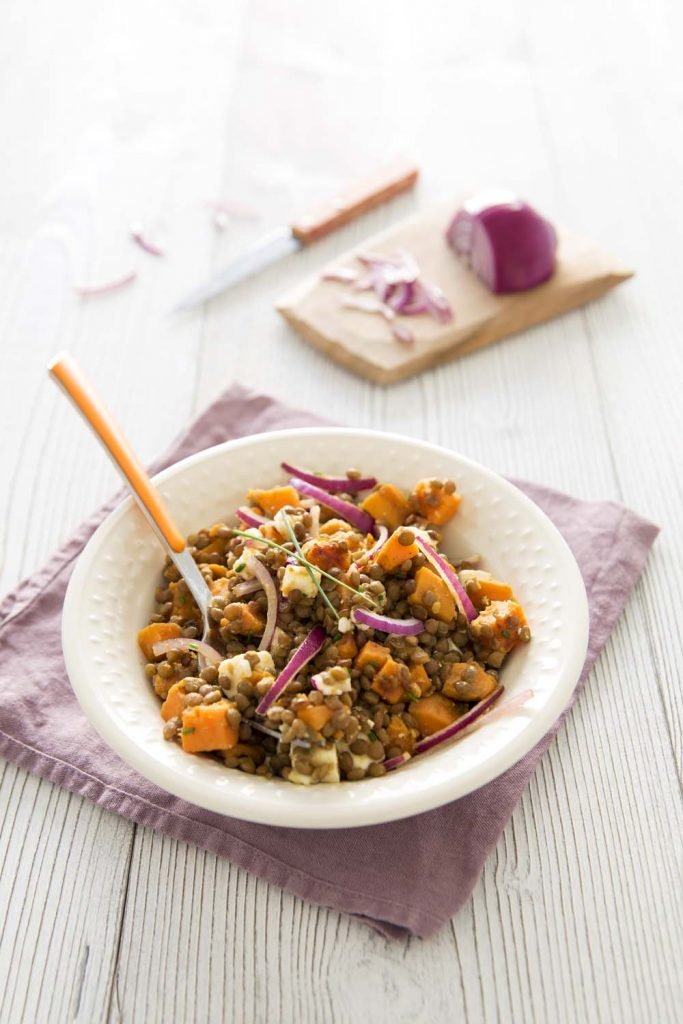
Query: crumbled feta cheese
[
  {"x": 319, "y": 757},
  {"x": 233, "y": 671},
  {"x": 241, "y": 566},
  {"x": 331, "y": 687},
  {"x": 296, "y": 578},
  {"x": 239, "y": 669},
  {"x": 359, "y": 760},
  {"x": 344, "y": 625}
]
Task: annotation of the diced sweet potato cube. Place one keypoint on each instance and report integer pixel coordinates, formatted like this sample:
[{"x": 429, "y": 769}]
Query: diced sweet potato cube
[
  {"x": 328, "y": 554},
  {"x": 273, "y": 500},
  {"x": 436, "y": 504},
  {"x": 206, "y": 727},
  {"x": 391, "y": 681},
  {"x": 214, "y": 549},
  {"x": 434, "y": 713},
  {"x": 244, "y": 618},
  {"x": 393, "y": 553},
  {"x": 347, "y": 647},
  {"x": 481, "y": 586},
  {"x": 418, "y": 674},
  {"x": 217, "y": 571},
  {"x": 387, "y": 505},
  {"x": 372, "y": 654},
  {"x": 500, "y": 626},
  {"x": 183, "y": 603},
  {"x": 428, "y": 582},
  {"x": 161, "y": 685},
  {"x": 316, "y": 715},
  {"x": 400, "y": 734},
  {"x": 467, "y": 680},
  {"x": 173, "y": 705},
  {"x": 154, "y": 633}
]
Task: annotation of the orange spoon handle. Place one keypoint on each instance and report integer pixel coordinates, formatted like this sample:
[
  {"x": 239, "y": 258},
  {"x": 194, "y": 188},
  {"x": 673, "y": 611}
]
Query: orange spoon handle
[{"x": 69, "y": 376}]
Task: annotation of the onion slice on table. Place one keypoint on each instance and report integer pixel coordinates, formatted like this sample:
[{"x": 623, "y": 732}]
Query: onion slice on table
[
  {"x": 138, "y": 235},
  {"x": 331, "y": 483},
  {"x": 249, "y": 517},
  {"x": 506, "y": 242},
  {"x": 302, "y": 655},
  {"x": 450, "y": 578},
  {"x": 460, "y": 725},
  {"x": 107, "y": 286},
  {"x": 183, "y": 643},
  {"x": 259, "y": 570},
  {"x": 354, "y": 515},
  {"x": 400, "y": 627}
]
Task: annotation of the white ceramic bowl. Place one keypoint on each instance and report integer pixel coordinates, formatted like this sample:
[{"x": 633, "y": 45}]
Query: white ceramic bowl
[{"x": 110, "y": 596}]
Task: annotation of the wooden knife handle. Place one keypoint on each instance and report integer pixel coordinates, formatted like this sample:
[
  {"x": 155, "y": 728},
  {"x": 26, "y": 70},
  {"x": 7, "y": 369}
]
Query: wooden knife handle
[{"x": 359, "y": 199}]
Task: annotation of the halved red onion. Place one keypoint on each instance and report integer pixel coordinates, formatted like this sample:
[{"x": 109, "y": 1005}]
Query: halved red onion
[
  {"x": 182, "y": 643},
  {"x": 450, "y": 578},
  {"x": 249, "y": 517},
  {"x": 354, "y": 515},
  {"x": 311, "y": 646},
  {"x": 259, "y": 570},
  {"x": 395, "y": 762},
  {"x": 382, "y": 534},
  {"x": 506, "y": 242},
  {"x": 462, "y": 723},
  {"x": 401, "y": 627},
  {"x": 331, "y": 483},
  {"x": 248, "y": 587}
]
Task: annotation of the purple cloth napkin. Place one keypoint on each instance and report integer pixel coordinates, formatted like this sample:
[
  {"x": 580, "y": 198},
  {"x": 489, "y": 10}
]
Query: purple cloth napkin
[{"x": 404, "y": 877}]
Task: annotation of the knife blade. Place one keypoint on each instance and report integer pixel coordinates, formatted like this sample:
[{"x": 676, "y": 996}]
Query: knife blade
[{"x": 305, "y": 230}]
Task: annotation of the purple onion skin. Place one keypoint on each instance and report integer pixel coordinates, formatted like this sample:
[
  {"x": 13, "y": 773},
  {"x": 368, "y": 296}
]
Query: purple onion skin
[{"x": 508, "y": 245}]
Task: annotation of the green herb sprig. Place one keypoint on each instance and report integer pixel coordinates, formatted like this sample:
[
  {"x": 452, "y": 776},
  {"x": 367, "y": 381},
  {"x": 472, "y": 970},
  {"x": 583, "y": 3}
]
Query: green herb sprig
[
  {"x": 303, "y": 561},
  {"x": 308, "y": 567}
]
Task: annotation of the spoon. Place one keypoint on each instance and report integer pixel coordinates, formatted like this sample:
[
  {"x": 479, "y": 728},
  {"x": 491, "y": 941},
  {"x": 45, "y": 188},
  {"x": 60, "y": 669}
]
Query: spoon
[{"x": 66, "y": 372}]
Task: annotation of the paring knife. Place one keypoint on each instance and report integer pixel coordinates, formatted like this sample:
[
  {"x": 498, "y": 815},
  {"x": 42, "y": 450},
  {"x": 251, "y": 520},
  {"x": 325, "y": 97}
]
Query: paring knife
[{"x": 320, "y": 222}]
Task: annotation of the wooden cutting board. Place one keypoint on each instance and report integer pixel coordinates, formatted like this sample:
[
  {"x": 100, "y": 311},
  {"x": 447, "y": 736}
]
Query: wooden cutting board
[{"x": 363, "y": 342}]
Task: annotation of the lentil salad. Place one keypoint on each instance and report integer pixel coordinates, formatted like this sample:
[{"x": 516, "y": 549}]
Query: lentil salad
[{"x": 342, "y": 643}]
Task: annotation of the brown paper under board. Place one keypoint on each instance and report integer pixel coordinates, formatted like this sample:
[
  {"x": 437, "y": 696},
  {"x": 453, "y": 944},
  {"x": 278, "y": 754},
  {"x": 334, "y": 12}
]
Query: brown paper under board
[{"x": 363, "y": 342}]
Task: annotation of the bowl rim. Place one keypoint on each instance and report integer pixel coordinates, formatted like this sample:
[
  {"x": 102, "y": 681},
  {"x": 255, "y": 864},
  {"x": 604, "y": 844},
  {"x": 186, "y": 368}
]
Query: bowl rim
[{"x": 350, "y": 815}]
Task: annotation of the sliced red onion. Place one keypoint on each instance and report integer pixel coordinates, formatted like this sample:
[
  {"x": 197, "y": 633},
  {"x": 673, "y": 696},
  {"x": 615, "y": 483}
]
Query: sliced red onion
[
  {"x": 370, "y": 305},
  {"x": 354, "y": 515},
  {"x": 138, "y": 236},
  {"x": 259, "y": 570},
  {"x": 107, "y": 286},
  {"x": 401, "y": 627},
  {"x": 248, "y": 587},
  {"x": 382, "y": 534},
  {"x": 462, "y": 723},
  {"x": 249, "y": 517},
  {"x": 264, "y": 729},
  {"x": 331, "y": 483},
  {"x": 395, "y": 762},
  {"x": 506, "y": 242},
  {"x": 315, "y": 521},
  {"x": 402, "y": 334},
  {"x": 311, "y": 646},
  {"x": 182, "y": 643},
  {"x": 345, "y": 275},
  {"x": 449, "y": 577}
]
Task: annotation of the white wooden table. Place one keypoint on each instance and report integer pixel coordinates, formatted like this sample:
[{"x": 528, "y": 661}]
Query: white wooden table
[{"x": 137, "y": 110}]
